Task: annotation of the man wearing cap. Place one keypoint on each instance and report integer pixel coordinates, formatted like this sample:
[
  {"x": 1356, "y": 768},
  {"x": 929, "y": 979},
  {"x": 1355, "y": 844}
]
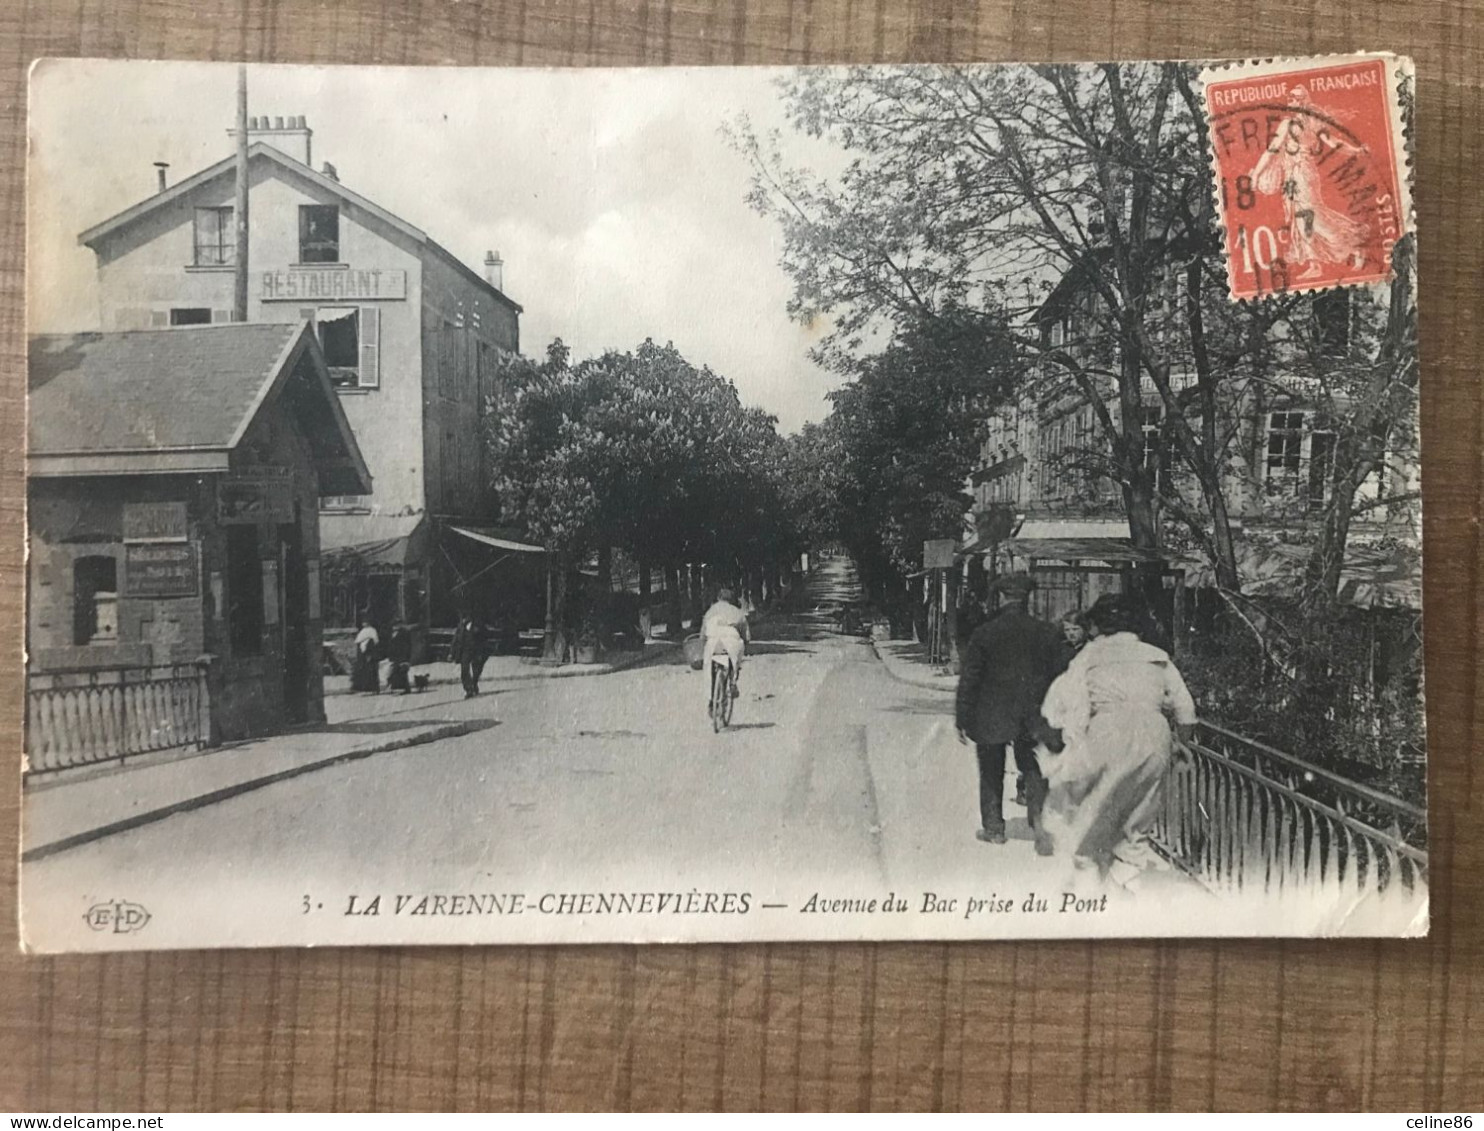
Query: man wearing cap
[{"x": 1008, "y": 664}]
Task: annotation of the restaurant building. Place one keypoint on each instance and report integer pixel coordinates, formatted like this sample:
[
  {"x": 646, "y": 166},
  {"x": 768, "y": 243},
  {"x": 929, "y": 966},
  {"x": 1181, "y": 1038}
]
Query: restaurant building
[
  {"x": 410, "y": 335},
  {"x": 173, "y": 489}
]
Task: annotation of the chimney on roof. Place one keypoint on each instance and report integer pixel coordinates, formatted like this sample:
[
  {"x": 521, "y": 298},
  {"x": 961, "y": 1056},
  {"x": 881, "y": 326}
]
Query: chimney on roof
[
  {"x": 160, "y": 169},
  {"x": 494, "y": 270},
  {"x": 291, "y": 135}
]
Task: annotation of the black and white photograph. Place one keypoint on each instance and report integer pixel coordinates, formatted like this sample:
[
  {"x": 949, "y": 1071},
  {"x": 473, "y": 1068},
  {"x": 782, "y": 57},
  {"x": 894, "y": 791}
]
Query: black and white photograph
[{"x": 726, "y": 504}]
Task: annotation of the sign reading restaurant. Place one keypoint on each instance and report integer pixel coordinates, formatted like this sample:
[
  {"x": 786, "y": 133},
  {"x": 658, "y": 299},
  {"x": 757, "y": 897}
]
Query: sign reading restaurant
[{"x": 299, "y": 284}]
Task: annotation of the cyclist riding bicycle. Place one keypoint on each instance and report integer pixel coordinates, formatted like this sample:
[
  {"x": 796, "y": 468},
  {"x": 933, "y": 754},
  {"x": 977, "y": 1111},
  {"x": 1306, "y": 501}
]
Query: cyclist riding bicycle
[{"x": 724, "y": 632}]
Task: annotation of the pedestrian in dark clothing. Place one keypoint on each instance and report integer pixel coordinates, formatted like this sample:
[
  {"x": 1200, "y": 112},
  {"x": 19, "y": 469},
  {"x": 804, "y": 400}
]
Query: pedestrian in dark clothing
[
  {"x": 1009, "y": 663},
  {"x": 970, "y": 615},
  {"x": 468, "y": 652},
  {"x": 363, "y": 673},
  {"x": 399, "y": 652}
]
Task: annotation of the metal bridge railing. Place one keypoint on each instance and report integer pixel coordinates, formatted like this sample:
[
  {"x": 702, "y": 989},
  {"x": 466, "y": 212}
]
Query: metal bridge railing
[{"x": 1242, "y": 815}]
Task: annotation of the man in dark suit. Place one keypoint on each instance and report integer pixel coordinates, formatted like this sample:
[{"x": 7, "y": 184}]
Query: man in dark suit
[
  {"x": 468, "y": 652},
  {"x": 1006, "y": 668}
]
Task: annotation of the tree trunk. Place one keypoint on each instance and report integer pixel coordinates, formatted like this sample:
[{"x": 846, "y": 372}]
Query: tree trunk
[
  {"x": 673, "y": 628},
  {"x": 1138, "y": 487},
  {"x": 1354, "y": 457},
  {"x": 1206, "y": 457},
  {"x": 694, "y": 596},
  {"x": 549, "y": 636},
  {"x": 603, "y": 599},
  {"x": 555, "y": 648}
]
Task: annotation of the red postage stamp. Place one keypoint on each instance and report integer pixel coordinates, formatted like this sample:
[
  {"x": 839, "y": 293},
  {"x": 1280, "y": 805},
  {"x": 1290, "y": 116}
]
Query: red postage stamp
[{"x": 1311, "y": 170}]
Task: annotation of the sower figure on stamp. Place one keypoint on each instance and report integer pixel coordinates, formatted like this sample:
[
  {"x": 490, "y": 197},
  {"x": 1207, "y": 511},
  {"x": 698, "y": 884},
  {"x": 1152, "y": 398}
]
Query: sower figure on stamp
[{"x": 1007, "y": 666}]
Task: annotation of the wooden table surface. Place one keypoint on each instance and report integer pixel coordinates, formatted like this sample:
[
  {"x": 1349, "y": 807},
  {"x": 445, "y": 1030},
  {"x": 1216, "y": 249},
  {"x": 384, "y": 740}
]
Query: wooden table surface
[{"x": 1304, "y": 1024}]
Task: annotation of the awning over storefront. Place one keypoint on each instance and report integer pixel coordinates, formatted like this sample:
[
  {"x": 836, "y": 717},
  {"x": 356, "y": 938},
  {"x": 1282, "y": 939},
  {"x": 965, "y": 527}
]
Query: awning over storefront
[
  {"x": 491, "y": 538},
  {"x": 997, "y": 523},
  {"x": 1074, "y": 539},
  {"x": 1082, "y": 550},
  {"x": 1373, "y": 577},
  {"x": 1048, "y": 528},
  {"x": 374, "y": 542}
]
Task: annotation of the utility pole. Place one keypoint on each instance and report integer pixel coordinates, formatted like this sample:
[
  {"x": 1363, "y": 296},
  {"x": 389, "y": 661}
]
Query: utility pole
[{"x": 239, "y": 303}]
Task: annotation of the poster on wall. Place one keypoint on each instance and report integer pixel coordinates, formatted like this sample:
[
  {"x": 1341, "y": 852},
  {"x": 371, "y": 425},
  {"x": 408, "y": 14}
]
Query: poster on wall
[
  {"x": 245, "y": 498},
  {"x": 161, "y": 569},
  {"x": 1125, "y": 353}
]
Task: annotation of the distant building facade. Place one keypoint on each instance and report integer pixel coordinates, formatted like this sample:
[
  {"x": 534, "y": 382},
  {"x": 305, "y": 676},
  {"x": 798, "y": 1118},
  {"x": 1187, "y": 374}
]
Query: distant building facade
[
  {"x": 1046, "y": 485},
  {"x": 173, "y": 489},
  {"x": 410, "y": 335}
]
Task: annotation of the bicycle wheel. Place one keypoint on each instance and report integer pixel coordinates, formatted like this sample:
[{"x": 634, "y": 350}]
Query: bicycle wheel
[
  {"x": 719, "y": 697},
  {"x": 727, "y": 686}
]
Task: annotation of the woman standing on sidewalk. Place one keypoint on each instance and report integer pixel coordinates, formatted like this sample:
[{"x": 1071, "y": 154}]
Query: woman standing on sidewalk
[{"x": 363, "y": 674}]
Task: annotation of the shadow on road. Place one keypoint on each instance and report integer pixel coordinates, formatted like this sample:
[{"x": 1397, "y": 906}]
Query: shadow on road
[
  {"x": 773, "y": 648},
  {"x": 789, "y": 629},
  {"x": 941, "y": 706},
  {"x": 391, "y": 726},
  {"x": 750, "y": 726}
]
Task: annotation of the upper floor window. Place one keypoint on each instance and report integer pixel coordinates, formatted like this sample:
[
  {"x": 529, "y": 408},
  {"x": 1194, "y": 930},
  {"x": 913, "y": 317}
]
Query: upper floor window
[
  {"x": 1321, "y": 468},
  {"x": 319, "y": 233},
  {"x": 215, "y": 238},
  {"x": 349, "y": 337},
  {"x": 190, "y": 315},
  {"x": 450, "y": 372},
  {"x": 1285, "y": 451},
  {"x": 1154, "y": 445}
]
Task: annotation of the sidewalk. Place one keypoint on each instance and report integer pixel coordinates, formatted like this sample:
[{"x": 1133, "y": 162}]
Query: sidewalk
[
  {"x": 63, "y": 814},
  {"x": 498, "y": 669},
  {"x": 907, "y": 661},
  {"x": 87, "y": 806}
]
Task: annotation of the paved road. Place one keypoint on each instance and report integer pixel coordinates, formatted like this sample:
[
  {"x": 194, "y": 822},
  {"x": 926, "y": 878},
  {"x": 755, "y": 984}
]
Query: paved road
[{"x": 833, "y": 774}]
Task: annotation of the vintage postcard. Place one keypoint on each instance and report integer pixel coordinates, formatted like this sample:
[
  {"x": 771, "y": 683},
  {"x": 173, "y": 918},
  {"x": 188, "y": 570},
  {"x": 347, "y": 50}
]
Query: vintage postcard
[{"x": 728, "y": 504}]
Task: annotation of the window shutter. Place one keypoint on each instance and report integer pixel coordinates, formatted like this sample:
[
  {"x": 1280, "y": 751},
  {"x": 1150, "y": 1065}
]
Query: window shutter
[
  {"x": 221, "y": 316},
  {"x": 370, "y": 341},
  {"x": 158, "y": 318}
]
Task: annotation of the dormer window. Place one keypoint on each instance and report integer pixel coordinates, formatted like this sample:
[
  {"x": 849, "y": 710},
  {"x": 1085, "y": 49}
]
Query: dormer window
[{"x": 319, "y": 233}]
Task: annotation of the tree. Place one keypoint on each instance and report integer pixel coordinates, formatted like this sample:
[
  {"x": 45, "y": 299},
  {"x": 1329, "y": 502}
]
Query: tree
[
  {"x": 641, "y": 451},
  {"x": 546, "y": 469},
  {"x": 976, "y": 187},
  {"x": 908, "y": 428},
  {"x": 811, "y": 480}
]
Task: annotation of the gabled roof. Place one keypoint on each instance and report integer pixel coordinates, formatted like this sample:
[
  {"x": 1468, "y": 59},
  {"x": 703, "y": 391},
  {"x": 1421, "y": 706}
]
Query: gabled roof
[
  {"x": 262, "y": 151},
  {"x": 181, "y": 400}
]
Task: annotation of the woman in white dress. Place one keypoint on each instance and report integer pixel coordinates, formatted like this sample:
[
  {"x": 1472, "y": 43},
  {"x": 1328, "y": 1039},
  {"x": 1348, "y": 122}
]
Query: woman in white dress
[{"x": 1113, "y": 707}]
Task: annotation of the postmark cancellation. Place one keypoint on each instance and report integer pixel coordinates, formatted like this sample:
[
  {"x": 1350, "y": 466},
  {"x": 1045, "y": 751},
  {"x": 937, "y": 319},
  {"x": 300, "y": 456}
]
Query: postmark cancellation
[{"x": 1310, "y": 167}]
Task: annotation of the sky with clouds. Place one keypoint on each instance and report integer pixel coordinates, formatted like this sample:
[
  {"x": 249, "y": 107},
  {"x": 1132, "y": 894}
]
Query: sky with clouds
[{"x": 614, "y": 199}]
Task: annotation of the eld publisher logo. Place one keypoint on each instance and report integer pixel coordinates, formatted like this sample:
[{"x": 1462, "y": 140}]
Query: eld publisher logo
[{"x": 120, "y": 916}]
